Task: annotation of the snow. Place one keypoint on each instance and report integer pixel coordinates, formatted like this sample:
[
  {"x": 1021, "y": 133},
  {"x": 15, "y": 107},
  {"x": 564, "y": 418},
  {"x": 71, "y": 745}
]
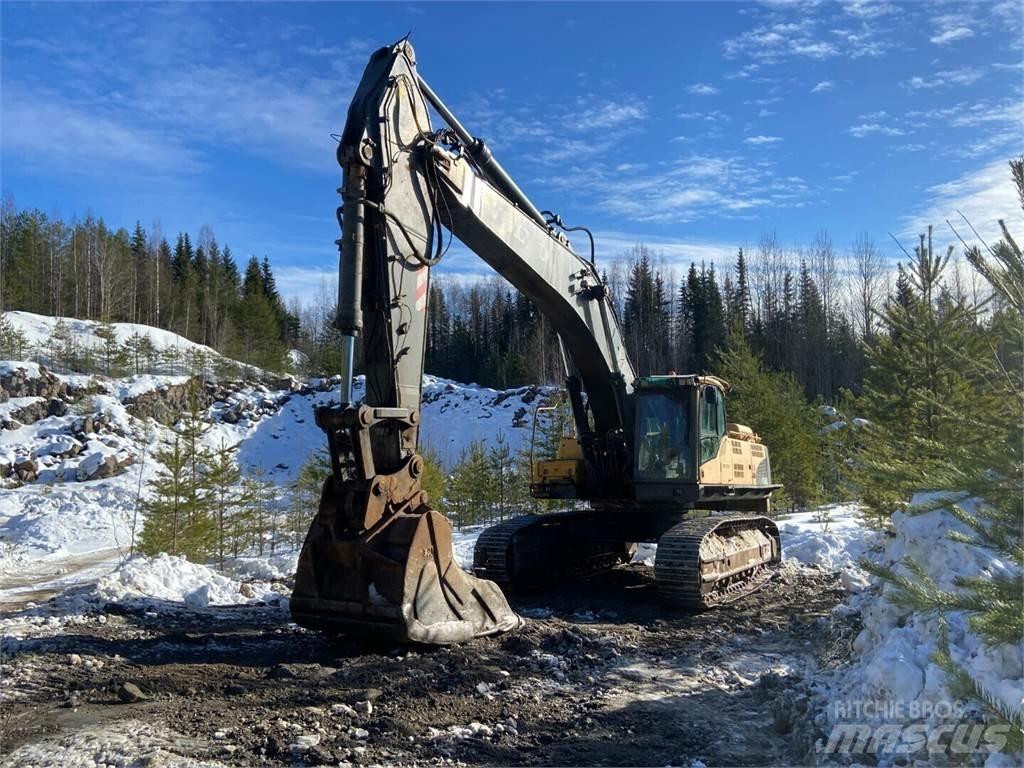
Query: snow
[
  {"x": 30, "y": 370},
  {"x": 15, "y": 404},
  {"x": 893, "y": 661},
  {"x": 171, "y": 579},
  {"x": 39, "y": 328},
  {"x": 832, "y": 537},
  {"x": 140, "y": 384}
]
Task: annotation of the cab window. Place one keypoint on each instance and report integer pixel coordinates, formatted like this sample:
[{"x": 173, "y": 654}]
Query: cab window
[
  {"x": 712, "y": 422},
  {"x": 663, "y": 437}
]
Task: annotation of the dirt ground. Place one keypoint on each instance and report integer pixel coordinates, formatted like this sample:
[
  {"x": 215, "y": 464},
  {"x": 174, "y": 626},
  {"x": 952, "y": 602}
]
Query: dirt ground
[{"x": 600, "y": 675}]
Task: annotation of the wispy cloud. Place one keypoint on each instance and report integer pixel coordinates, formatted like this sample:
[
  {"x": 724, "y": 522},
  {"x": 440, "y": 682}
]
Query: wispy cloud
[
  {"x": 304, "y": 283},
  {"x": 943, "y": 79},
  {"x": 782, "y": 39},
  {"x": 983, "y": 195},
  {"x": 701, "y": 89},
  {"x": 761, "y": 140},
  {"x": 823, "y": 85},
  {"x": 950, "y": 27},
  {"x": 947, "y": 36},
  {"x": 609, "y": 114},
  {"x": 866, "y": 9},
  {"x": 866, "y": 129},
  {"x": 713, "y": 116},
  {"x": 44, "y": 127}
]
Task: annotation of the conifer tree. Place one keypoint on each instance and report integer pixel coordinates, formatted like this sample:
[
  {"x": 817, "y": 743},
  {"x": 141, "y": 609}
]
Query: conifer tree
[
  {"x": 13, "y": 341},
  {"x": 111, "y": 354},
  {"x": 305, "y": 495},
  {"x": 773, "y": 405},
  {"x": 223, "y": 500},
  {"x": 981, "y": 478},
  {"x": 911, "y": 392},
  {"x": 167, "y": 508}
]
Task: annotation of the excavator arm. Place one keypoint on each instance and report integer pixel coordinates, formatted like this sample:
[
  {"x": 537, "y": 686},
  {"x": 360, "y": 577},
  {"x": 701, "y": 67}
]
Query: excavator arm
[{"x": 378, "y": 557}]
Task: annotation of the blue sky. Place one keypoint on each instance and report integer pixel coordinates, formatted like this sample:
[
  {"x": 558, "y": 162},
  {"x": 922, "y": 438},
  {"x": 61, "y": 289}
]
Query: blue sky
[{"x": 694, "y": 127}]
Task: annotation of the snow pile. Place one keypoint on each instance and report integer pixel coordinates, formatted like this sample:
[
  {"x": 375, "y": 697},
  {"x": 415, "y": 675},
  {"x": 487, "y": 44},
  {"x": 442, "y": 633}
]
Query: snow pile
[
  {"x": 41, "y": 521},
  {"x": 832, "y": 538},
  {"x": 895, "y": 647},
  {"x": 171, "y": 579},
  {"x": 38, "y": 329}
]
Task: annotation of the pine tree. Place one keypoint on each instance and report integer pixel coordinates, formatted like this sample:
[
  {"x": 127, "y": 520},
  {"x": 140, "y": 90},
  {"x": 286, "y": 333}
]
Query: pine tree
[
  {"x": 305, "y": 495},
  {"x": 112, "y": 355},
  {"x": 61, "y": 345},
  {"x": 981, "y": 478},
  {"x": 13, "y": 341},
  {"x": 224, "y": 501},
  {"x": 911, "y": 392},
  {"x": 773, "y": 405},
  {"x": 472, "y": 486},
  {"x": 167, "y": 507}
]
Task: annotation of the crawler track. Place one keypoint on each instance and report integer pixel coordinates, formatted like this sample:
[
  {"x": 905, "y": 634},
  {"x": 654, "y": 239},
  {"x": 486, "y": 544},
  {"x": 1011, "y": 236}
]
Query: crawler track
[{"x": 710, "y": 561}]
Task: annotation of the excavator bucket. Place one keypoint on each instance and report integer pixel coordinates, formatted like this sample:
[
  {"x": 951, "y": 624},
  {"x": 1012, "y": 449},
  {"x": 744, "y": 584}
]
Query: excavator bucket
[{"x": 397, "y": 581}]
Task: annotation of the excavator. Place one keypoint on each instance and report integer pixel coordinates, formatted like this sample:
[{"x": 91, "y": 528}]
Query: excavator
[{"x": 651, "y": 459}]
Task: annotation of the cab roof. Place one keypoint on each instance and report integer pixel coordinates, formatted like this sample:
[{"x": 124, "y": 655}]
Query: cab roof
[{"x": 675, "y": 380}]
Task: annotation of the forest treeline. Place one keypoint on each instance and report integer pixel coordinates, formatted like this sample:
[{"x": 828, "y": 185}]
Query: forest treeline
[
  {"x": 805, "y": 312},
  {"x": 88, "y": 270}
]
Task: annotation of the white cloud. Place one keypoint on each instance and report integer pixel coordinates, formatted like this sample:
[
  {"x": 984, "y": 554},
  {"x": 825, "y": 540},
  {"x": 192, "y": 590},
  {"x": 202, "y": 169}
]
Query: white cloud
[
  {"x": 714, "y": 116},
  {"x": 774, "y": 41},
  {"x": 303, "y": 283},
  {"x": 701, "y": 89},
  {"x": 865, "y": 129},
  {"x": 864, "y": 9},
  {"x": 952, "y": 35},
  {"x": 983, "y": 195},
  {"x": 44, "y": 128},
  {"x": 679, "y": 253},
  {"x": 760, "y": 140},
  {"x": 822, "y": 86},
  {"x": 610, "y": 114},
  {"x": 961, "y": 76}
]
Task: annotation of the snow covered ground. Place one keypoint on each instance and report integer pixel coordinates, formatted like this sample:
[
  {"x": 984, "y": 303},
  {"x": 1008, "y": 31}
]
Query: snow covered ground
[
  {"x": 66, "y": 529},
  {"x": 38, "y": 330}
]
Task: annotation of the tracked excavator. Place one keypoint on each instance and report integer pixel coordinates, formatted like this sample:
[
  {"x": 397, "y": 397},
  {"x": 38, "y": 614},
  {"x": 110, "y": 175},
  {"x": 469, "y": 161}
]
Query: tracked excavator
[{"x": 652, "y": 458}]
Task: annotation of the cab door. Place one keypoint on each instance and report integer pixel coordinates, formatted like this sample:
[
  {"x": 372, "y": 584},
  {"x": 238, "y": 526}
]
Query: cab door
[{"x": 711, "y": 414}]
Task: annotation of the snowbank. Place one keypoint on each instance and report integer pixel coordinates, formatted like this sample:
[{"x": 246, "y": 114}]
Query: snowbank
[
  {"x": 172, "y": 579},
  {"x": 894, "y": 648},
  {"x": 39, "y": 328},
  {"x": 831, "y": 537}
]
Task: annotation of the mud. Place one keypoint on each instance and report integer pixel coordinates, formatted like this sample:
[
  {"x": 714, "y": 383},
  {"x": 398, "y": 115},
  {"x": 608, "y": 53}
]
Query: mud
[{"x": 600, "y": 675}]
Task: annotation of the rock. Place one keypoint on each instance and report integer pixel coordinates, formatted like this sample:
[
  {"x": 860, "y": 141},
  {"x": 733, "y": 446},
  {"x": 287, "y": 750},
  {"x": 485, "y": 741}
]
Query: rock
[
  {"x": 56, "y": 407},
  {"x": 129, "y": 693},
  {"x": 783, "y": 721},
  {"x": 365, "y": 707},
  {"x": 305, "y": 740},
  {"x": 360, "y": 733},
  {"x": 319, "y": 755},
  {"x": 26, "y": 469},
  {"x": 73, "y": 701},
  {"x": 74, "y": 659},
  {"x": 246, "y": 590},
  {"x": 343, "y": 710},
  {"x": 235, "y": 689}
]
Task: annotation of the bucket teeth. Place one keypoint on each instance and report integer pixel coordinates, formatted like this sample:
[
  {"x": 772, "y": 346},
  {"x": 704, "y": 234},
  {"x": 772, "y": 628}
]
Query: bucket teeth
[{"x": 397, "y": 581}]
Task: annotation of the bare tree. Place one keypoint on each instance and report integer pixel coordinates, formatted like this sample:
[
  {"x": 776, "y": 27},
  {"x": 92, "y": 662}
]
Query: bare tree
[
  {"x": 867, "y": 283},
  {"x": 825, "y": 272}
]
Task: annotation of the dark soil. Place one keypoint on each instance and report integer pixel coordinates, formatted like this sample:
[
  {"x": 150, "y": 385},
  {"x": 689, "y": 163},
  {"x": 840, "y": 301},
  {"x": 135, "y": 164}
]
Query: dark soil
[{"x": 605, "y": 676}]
